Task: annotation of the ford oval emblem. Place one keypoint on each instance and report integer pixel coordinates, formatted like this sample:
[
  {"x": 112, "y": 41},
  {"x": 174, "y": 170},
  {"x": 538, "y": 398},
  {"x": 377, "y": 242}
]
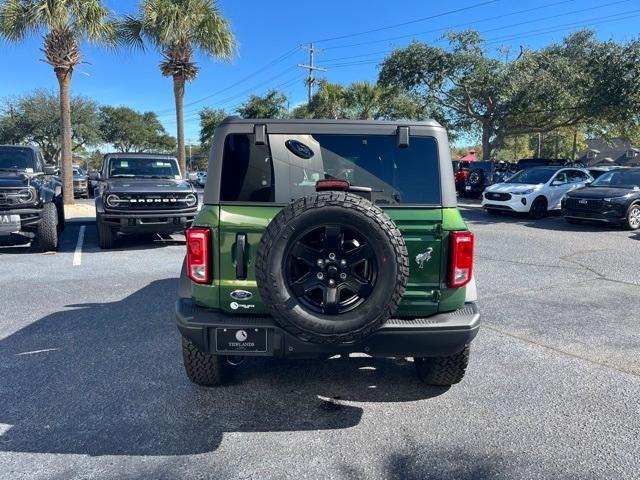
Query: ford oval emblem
[{"x": 241, "y": 295}]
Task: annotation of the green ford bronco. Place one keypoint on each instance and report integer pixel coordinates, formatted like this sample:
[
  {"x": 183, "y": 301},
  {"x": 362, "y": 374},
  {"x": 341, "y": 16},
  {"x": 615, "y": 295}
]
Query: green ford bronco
[{"x": 326, "y": 237}]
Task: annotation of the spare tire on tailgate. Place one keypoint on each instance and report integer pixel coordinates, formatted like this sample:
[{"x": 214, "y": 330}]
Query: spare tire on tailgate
[{"x": 332, "y": 267}]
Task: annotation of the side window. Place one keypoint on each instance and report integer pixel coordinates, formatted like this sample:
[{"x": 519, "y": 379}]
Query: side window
[
  {"x": 576, "y": 176},
  {"x": 560, "y": 178},
  {"x": 39, "y": 164},
  {"x": 247, "y": 171}
]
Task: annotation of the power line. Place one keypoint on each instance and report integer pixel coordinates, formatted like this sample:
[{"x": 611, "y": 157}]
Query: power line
[
  {"x": 486, "y": 19},
  {"x": 417, "y": 20},
  {"x": 282, "y": 57},
  {"x": 530, "y": 33}
]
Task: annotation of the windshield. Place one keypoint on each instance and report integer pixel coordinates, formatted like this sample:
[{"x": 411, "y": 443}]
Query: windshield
[
  {"x": 16, "y": 159},
  {"x": 143, "y": 167},
  {"x": 533, "y": 176},
  {"x": 619, "y": 179}
]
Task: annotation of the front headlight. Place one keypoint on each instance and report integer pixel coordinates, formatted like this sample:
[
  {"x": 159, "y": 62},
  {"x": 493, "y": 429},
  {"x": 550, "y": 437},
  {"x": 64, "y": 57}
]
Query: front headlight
[
  {"x": 112, "y": 200},
  {"x": 616, "y": 199},
  {"x": 191, "y": 200},
  {"x": 27, "y": 195},
  {"x": 523, "y": 192}
]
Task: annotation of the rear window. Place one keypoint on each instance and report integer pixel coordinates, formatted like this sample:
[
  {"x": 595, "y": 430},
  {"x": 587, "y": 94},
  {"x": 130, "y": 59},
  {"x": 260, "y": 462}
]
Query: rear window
[{"x": 290, "y": 168}]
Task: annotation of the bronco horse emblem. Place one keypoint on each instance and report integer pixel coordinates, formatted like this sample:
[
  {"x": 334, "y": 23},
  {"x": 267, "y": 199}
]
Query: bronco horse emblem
[{"x": 423, "y": 257}]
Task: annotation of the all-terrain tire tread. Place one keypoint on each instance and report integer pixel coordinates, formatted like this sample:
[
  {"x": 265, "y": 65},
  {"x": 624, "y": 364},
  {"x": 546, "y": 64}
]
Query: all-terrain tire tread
[
  {"x": 47, "y": 232},
  {"x": 105, "y": 234},
  {"x": 443, "y": 371},
  {"x": 204, "y": 368}
]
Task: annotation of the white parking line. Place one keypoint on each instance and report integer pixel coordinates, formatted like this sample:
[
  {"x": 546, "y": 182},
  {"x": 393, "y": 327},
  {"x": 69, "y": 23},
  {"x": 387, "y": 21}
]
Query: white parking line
[{"x": 77, "y": 255}]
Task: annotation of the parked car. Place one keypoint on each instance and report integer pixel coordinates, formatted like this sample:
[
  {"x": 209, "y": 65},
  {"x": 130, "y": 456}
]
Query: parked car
[
  {"x": 93, "y": 179},
  {"x": 614, "y": 197},
  {"x": 596, "y": 172},
  {"x": 534, "y": 191},
  {"x": 30, "y": 196},
  {"x": 299, "y": 249},
  {"x": 460, "y": 173},
  {"x": 80, "y": 183},
  {"x": 547, "y": 162},
  {"x": 202, "y": 179},
  {"x": 142, "y": 193},
  {"x": 483, "y": 174}
]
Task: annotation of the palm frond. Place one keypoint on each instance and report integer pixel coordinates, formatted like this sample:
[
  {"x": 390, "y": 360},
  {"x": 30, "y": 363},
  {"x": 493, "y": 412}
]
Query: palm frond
[
  {"x": 129, "y": 32},
  {"x": 17, "y": 19}
]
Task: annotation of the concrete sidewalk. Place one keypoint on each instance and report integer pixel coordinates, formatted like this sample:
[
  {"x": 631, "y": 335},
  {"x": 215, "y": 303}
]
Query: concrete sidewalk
[{"x": 80, "y": 211}]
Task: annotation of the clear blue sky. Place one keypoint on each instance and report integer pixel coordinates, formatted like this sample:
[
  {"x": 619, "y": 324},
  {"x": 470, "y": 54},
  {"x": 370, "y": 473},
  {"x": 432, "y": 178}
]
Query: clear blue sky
[{"x": 274, "y": 29}]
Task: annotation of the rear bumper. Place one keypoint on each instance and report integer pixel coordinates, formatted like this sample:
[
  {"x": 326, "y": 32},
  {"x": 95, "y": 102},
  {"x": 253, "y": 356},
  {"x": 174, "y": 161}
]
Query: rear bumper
[
  {"x": 438, "y": 335},
  {"x": 157, "y": 221}
]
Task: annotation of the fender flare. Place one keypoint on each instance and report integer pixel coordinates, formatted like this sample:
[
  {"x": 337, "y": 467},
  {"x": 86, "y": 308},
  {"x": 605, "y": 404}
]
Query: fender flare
[{"x": 99, "y": 205}]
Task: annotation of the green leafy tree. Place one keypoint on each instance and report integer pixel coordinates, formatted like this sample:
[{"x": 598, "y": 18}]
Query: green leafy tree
[
  {"x": 35, "y": 118},
  {"x": 563, "y": 85},
  {"x": 177, "y": 28},
  {"x": 209, "y": 120},
  {"x": 65, "y": 24},
  {"x": 327, "y": 102},
  {"x": 131, "y": 131},
  {"x": 272, "y": 104}
]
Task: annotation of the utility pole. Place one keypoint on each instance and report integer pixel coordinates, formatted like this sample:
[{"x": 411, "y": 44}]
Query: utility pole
[{"x": 311, "y": 68}]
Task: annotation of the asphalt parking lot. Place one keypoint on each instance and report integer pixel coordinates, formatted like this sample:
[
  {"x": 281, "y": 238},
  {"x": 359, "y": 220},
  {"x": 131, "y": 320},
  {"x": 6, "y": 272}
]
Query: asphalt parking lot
[{"x": 92, "y": 383}]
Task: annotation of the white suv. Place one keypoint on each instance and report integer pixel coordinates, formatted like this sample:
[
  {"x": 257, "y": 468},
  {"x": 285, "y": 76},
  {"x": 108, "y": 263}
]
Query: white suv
[{"x": 534, "y": 191}]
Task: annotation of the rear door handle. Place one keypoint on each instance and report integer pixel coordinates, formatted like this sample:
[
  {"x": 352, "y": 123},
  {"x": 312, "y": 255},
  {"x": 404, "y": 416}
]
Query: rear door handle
[{"x": 241, "y": 261}]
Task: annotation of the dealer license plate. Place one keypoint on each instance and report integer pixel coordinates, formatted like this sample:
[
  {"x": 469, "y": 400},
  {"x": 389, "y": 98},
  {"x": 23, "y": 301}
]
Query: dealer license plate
[
  {"x": 241, "y": 339},
  {"x": 9, "y": 223}
]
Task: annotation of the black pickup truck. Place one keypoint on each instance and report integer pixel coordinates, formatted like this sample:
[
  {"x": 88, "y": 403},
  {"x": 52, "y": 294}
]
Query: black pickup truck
[
  {"x": 142, "y": 193},
  {"x": 30, "y": 196}
]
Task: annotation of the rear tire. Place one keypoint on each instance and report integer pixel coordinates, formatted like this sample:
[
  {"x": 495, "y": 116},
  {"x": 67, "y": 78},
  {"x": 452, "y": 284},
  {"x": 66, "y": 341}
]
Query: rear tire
[
  {"x": 106, "y": 235},
  {"x": 538, "y": 208},
  {"x": 632, "y": 221},
  {"x": 47, "y": 233},
  {"x": 443, "y": 371},
  {"x": 205, "y": 369}
]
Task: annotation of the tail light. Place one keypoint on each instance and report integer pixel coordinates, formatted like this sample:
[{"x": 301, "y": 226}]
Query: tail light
[
  {"x": 461, "y": 264},
  {"x": 199, "y": 254}
]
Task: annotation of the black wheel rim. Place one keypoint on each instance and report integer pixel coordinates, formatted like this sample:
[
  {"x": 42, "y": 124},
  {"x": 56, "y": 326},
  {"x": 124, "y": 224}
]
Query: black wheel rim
[{"x": 330, "y": 269}]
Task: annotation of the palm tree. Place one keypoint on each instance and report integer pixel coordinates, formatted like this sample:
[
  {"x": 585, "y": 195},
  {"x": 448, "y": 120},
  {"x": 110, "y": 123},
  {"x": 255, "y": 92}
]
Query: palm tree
[
  {"x": 177, "y": 28},
  {"x": 363, "y": 100},
  {"x": 328, "y": 101},
  {"x": 65, "y": 24}
]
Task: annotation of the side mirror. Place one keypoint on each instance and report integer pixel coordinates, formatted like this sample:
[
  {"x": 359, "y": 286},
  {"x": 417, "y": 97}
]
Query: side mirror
[
  {"x": 49, "y": 170},
  {"x": 588, "y": 183},
  {"x": 556, "y": 183}
]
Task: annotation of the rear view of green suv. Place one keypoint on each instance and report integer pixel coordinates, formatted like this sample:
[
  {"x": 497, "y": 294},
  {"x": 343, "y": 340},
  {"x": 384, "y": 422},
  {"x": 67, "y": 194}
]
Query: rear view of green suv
[{"x": 325, "y": 237}]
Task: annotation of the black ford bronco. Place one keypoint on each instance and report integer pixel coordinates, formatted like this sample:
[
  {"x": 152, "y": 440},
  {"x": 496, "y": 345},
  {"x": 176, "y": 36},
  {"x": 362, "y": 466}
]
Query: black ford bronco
[
  {"x": 142, "y": 193},
  {"x": 324, "y": 237},
  {"x": 30, "y": 196}
]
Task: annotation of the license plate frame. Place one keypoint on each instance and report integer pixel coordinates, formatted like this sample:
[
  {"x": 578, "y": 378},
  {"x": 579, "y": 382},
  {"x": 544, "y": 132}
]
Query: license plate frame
[
  {"x": 238, "y": 340},
  {"x": 10, "y": 223}
]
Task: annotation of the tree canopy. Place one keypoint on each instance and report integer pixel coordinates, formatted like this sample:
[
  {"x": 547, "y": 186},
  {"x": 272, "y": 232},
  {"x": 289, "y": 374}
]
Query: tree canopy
[
  {"x": 578, "y": 81},
  {"x": 131, "y": 131},
  {"x": 209, "y": 119},
  {"x": 272, "y": 104},
  {"x": 35, "y": 118}
]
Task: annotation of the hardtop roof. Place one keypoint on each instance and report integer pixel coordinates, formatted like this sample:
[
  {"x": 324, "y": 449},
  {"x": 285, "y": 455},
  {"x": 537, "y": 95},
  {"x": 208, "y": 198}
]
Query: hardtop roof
[{"x": 328, "y": 121}]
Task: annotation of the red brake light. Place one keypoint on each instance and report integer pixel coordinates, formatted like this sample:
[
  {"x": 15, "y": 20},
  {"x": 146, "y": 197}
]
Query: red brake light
[
  {"x": 461, "y": 265},
  {"x": 199, "y": 254},
  {"x": 332, "y": 185}
]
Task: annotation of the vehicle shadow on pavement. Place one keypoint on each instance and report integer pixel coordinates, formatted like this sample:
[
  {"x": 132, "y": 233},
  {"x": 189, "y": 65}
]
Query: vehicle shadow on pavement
[
  {"x": 552, "y": 222},
  {"x": 107, "y": 379}
]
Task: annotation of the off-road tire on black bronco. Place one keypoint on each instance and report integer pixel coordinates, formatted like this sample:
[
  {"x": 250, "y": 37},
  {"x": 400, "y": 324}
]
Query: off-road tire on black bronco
[
  {"x": 47, "y": 233},
  {"x": 443, "y": 371},
  {"x": 205, "y": 369},
  {"x": 106, "y": 235},
  {"x": 345, "y": 211}
]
